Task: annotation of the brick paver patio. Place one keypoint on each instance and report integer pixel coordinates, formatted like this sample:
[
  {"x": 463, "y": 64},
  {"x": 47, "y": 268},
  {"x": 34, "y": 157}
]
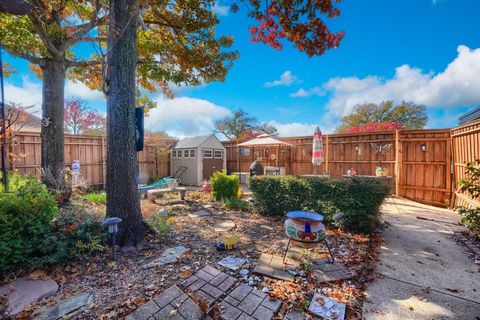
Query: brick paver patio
[{"x": 237, "y": 302}]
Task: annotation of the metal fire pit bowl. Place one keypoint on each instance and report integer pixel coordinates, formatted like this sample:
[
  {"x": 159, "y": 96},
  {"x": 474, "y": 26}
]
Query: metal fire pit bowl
[{"x": 306, "y": 230}]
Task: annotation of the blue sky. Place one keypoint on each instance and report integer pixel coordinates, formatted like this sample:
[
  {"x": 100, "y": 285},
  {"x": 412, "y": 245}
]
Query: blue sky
[{"x": 423, "y": 51}]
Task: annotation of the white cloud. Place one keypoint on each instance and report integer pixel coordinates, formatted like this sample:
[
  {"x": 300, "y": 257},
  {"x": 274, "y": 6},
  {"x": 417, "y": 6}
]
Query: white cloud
[
  {"x": 286, "y": 79},
  {"x": 302, "y": 93},
  {"x": 457, "y": 85},
  {"x": 79, "y": 90},
  {"x": 185, "y": 116},
  {"x": 29, "y": 94},
  {"x": 221, "y": 9},
  {"x": 297, "y": 129}
]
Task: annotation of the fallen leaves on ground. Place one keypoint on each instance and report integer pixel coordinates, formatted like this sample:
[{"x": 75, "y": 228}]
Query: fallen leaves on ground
[{"x": 122, "y": 286}]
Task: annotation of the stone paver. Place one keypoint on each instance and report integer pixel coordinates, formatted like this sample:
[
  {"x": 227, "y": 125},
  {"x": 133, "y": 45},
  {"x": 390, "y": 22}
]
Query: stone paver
[
  {"x": 272, "y": 266},
  {"x": 69, "y": 307},
  {"x": 198, "y": 214},
  {"x": 23, "y": 292},
  {"x": 209, "y": 285},
  {"x": 224, "y": 226},
  {"x": 327, "y": 272},
  {"x": 172, "y": 303},
  {"x": 250, "y": 304}
]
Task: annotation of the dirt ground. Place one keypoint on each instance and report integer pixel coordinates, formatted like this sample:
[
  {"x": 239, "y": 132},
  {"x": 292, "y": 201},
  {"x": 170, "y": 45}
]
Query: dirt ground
[{"x": 122, "y": 286}]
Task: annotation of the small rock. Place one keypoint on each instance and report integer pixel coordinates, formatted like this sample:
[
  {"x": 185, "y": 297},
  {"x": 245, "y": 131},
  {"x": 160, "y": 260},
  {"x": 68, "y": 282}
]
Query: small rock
[
  {"x": 69, "y": 307},
  {"x": 265, "y": 290},
  {"x": 161, "y": 261},
  {"x": 244, "y": 272},
  {"x": 251, "y": 283},
  {"x": 163, "y": 212},
  {"x": 257, "y": 278}
]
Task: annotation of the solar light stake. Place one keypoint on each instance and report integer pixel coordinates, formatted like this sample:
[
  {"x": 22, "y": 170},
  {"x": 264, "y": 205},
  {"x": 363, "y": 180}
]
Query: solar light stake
[{"x": 112, "y": 224}]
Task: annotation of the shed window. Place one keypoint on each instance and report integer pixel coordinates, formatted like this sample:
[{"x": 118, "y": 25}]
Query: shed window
[
  {"x": 218, "y": 154},
  {"x": 174, "y": 153},
  {"x": 192, "y": 153},
  {"x": 208, "y": 153},
  {"x": 185, "y": 153}
]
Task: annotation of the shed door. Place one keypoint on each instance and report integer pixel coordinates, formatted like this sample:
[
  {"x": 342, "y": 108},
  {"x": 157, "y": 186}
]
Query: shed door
[{"x": 212, "y": 162}]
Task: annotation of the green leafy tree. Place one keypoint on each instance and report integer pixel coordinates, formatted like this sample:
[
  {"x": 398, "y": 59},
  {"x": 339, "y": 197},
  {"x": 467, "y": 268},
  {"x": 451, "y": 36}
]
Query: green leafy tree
[
  {"x": 176, "y": 45},
  {"x": 408, "y": 114}
]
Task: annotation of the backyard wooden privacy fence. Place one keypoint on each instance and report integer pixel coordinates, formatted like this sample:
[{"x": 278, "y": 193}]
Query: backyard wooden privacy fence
[
  {"x": 425, "y": 164},
  {"x": 92, "y": 153},
  {"x": 466, "y": 148},
  {"x": 419, "y": 160}
]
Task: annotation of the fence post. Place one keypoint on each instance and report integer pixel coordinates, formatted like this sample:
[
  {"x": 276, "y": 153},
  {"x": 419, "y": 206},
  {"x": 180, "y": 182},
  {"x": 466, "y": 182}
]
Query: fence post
[
  {"x": 104, "y": 171},
  {"x": 326, "y": 155},
  {"x": 397, "y": 162}
]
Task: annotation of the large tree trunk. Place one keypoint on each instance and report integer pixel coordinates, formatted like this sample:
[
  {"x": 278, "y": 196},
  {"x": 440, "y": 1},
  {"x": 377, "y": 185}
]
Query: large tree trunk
[
  {"x": 53, "y": 160},
  {"x": 123, "y": 200}
]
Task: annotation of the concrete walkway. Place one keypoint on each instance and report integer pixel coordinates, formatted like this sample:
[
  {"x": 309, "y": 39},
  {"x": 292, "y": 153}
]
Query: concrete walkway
[{"x": 423, "y": 273}]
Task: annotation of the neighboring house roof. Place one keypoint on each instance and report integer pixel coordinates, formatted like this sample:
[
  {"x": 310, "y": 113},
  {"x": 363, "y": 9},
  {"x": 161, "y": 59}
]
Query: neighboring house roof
[
  {"x": 470, "y": 116},
  {"x": 31, "y": 122},
  {"x": 191, "y": 142}
]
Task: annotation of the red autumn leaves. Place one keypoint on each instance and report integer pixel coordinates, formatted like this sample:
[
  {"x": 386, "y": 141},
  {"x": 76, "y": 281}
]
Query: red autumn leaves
[{"x": 299, "y": 22}]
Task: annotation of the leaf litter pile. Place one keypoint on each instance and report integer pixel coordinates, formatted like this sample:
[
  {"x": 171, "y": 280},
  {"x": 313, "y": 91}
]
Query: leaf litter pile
[{"x": 122, "y": 286}]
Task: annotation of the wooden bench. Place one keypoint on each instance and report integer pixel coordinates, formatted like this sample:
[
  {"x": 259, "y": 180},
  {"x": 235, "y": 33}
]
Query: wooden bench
[{"x": 152, "y": 195}]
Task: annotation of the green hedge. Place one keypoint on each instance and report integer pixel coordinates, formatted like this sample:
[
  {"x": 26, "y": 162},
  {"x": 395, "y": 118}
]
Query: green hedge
[
  {"x": 224, "y": 186},
  {"x": 34, "y": 233},
  {"x": 25, "y": 218},
  {"x": 358, "y": 198}
]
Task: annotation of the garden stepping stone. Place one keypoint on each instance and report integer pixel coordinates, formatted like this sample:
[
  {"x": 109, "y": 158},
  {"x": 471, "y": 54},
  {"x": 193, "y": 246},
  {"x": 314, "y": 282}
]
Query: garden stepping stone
[
  {"x": 245, "y": 302},
  {"x": 272, "y": 266},
  {"x": 224, "y": 226},
  {"x": 23, "y": 292},
  {"x": 209, "y": 285},
  {"x": 172, "y": 304},
  {"x": 69, "y": 307},
  {"x": 198, "y": 214},
  {"x": 232, "y": 263},
  {"x": 327, "y": 308},
  {"x": 170, "y": 255},
  {"x": 328, "y": 272}
]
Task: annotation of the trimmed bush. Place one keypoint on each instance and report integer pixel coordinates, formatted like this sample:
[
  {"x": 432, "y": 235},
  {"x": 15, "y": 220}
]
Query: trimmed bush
[
  {"x": 224, "y": 186},
  {"x": 25, "y": 218},
  {"x": 358, "y": 198}
]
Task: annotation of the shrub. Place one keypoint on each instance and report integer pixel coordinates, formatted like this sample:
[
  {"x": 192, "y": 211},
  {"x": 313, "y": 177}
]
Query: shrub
[
  {"x": 235, "y": 204},
  {"x": 96, "y": 197},
  {"x": 359, "y": 199},
  {"x": 471, "y": 185},
  {"x": 160, "y": 223},
  {"x": 224, "y": 186},
  {"x": 75, "y": 234},
  {"x": 25, "y": 218}
]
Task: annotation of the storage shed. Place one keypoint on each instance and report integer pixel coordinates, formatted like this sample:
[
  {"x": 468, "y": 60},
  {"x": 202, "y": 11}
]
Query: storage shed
[{"x": 202, "y": 156}]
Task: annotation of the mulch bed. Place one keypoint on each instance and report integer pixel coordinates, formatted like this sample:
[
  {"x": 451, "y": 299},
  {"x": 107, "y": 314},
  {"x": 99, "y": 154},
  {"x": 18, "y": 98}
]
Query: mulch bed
[{"x": 122, "y": 286}]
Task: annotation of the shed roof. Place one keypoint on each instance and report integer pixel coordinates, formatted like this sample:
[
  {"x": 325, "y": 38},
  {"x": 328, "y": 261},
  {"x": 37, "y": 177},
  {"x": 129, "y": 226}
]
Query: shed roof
[
  {"x": 263, "y": 140},
  {"x": 192, "y": 142}
]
